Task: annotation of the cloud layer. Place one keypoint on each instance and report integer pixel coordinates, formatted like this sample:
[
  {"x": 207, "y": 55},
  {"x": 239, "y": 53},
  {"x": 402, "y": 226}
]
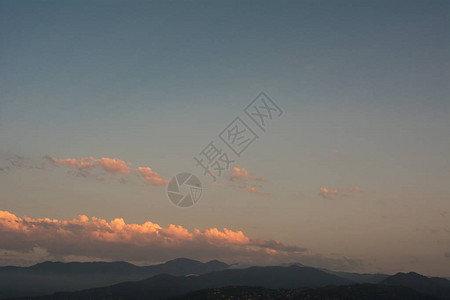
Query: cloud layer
[
  {"x": 148, "y": 242},
  {"x": 119, "y": 240}
]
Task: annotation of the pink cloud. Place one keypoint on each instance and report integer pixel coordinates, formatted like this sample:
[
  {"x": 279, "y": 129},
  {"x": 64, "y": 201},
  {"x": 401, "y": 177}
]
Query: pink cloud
[{"x": 151, "y": 176}]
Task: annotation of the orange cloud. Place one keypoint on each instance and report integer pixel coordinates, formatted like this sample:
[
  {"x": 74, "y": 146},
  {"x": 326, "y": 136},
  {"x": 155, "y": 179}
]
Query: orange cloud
[
  {"x": 345, "y": 192},
  {"x": 149, "y": 175},
  {"x": 241, "y": 174},
  {"x": 328, "y": 191},
  {"x": 113, "y": 165},
  {"x": 147, "y": 242},
  {"x": 225, "y": 236},
  {"x": 117, "y": 239},
  {"x": 83, "y": 163},
  {"x": 252, "y": 190}
]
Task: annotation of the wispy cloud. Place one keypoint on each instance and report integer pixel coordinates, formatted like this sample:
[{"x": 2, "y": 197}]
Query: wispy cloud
[
  {"x": 239, "y": 174},
  {"x": 113, "y": 166},
  {"x": 253, "y": 190},
  {"x": 84, "y": 163},
  {"x": 20, "y": 162},
  {"x": 329, "y": 193},
  {"x": 240, "y": 177}
]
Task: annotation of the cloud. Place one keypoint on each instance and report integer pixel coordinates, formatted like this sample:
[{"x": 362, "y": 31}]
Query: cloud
[
  {"x": 84, "y": 163},
  {"x": 331, "y": 193},
  {"x": 151, "y": 176},
  {"x": 148, "y": 242},
  {"x": 349, "y": 190},
  {"x": 241, "y": 174},
  {"x": 117, "y": 240},
  {"x": 253, "y": 190},
  {"x": 327, "y": 193},
  {"x": 20, "y": 162},
  {"x": 115, "y": 166},
  {"x": 5, "y": 169},
  {"x": 110, "y": 165},
  {"x": 245, "y": 181}
]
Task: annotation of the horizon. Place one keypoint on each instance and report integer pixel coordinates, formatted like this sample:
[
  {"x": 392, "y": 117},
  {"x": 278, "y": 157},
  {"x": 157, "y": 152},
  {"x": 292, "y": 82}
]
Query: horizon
[
  {"x": 229, "y": 266},
  {"x": 293, "y": 264},
  {"x": 328, "y": 122}
]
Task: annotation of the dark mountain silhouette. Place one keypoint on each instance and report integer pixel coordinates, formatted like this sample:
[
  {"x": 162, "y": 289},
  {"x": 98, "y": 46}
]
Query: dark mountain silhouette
[
  {"x": 353, "y": 292},
  {"x": 164, "y": 286},
  {"x": 50, "y": 277},
  {"x": 182, "y": 276},
  {"x": 439, "y": 287},
  {"x": 362, "y": 278}
]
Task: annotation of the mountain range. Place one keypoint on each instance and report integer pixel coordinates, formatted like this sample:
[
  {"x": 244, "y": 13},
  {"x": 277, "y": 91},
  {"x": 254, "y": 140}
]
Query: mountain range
[
  {"x": 182, "y": 277},
  {"x": 50, "y": 277}
]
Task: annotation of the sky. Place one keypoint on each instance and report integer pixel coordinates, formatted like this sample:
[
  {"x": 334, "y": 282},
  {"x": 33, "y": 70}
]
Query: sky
[{"x": 103, "y": 102}]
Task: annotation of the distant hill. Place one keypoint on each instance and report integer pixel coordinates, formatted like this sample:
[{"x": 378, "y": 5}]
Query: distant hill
[
  {"x": 353, "y": 292},
  {"x": 182, "y": 276},
  {"x": 50, "y": 277},
  {"x": 439, "y": 287},
  {"x": 163, "y": 286},
  {"x": 362, "y": 278}
]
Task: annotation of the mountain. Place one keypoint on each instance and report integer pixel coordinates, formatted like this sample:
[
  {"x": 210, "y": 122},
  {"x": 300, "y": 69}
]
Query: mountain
[
  {"x": 50, "y": 277},
  {"x": 164, "y": 286},
  {"x": 362, "y": 278},
  {"x": 353, "y": 292},
  {"x": 439, "y": 287}
]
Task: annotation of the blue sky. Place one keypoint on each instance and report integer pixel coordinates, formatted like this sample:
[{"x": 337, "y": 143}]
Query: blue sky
[{"x": 364, "y": 88}]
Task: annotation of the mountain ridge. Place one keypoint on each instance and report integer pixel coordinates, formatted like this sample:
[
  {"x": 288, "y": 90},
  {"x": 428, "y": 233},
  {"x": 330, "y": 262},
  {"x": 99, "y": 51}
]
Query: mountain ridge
[
  {"x": 50, "y": 277},
  {"x": 165, "y": 286},
  {"x": 437, "y": 286}
]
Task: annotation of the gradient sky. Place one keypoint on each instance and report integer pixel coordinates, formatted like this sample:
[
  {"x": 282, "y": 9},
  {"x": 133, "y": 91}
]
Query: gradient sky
[{"x": 357, "y": 168}]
